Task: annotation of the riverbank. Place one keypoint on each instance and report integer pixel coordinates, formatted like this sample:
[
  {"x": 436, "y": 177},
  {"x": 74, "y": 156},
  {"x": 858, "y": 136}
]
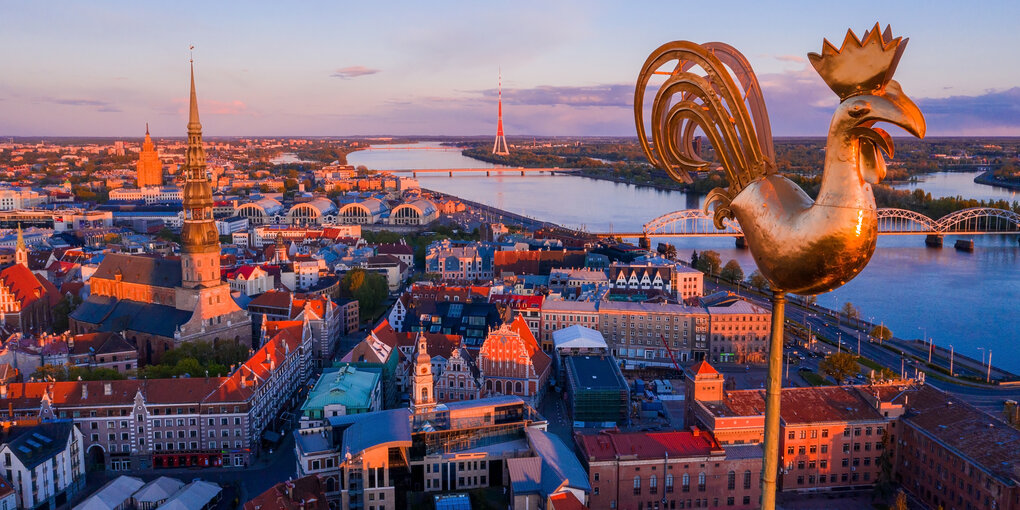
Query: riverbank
[{"x": 988, "y": 178}]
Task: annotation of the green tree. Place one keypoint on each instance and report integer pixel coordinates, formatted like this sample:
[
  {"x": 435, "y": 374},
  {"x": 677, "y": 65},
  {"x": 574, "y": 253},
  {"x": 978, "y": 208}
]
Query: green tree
[
  {"x": 669, "y": 251},
  {"x": 732, "y": 271},
  {"x": 62, "y": 311},
  {"x": 369, "y": 289},
  {"x": 709, "y": 262},
  {"x": 881, "y": 332},
  {"x": 839, "y": 365},
  {"x": 757, "y": 280}
]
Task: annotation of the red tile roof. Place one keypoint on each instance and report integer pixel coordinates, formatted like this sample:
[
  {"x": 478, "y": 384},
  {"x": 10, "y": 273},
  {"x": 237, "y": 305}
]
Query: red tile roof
[
  {"x": 305, "y": 493},
  {"x": 27, "y": 287},
  {"x": 648, "y": 445}
]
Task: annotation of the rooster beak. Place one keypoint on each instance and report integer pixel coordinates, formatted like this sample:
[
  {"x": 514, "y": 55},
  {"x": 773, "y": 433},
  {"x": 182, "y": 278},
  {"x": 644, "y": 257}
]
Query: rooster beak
[{"x": 894, "y": 107}]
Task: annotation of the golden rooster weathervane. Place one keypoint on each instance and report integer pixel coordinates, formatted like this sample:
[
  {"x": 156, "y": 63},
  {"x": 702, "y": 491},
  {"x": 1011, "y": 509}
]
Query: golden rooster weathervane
[{"x": 800, "y": 245}]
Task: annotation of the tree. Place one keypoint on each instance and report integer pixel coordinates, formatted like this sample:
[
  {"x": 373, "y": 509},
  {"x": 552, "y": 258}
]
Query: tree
[
  {"x": 901, "y": 501},
  {"x": 694, "y": 258},
  {"x": 709, "y": 262},
  {"x": 757, "y": 280},
  {"x": 884, "y": 483},
  {"x": 850, "y": 311},
  {"x": 881, "y": 332},
  {"x": 369, "y": 289},
  {"x": 839, "y": 366},
  {"x": 62, "y": 311},
  {"x": 732, "y": 271}
]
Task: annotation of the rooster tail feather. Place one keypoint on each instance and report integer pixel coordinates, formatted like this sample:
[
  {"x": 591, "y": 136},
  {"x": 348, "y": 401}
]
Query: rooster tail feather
[{"x": 732, "y": 117}]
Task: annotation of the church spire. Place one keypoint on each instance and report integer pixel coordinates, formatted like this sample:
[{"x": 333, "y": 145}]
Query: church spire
[
  {"x": 20, "y": 250},
  {"x": 199, "y": 234},
  {"x": 193, "y": 122}
]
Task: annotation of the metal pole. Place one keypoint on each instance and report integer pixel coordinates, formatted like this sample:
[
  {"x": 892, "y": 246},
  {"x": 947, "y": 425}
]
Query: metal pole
[
  {"x": 950, "y": 359},
  {"x": 773, "y": 391},
  {"x": 988, "y": 378}
]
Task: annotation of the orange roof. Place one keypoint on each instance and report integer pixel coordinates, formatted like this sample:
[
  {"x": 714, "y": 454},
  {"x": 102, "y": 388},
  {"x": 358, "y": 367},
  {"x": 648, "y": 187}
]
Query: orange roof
[
  {"x": 27, "y": 287},
  {"x": 566, "y": 501},
  {"x": 703, "y": 368}
]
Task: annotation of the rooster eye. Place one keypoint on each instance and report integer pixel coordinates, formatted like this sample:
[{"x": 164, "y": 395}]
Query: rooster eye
[{"x": 859, "y": 108}]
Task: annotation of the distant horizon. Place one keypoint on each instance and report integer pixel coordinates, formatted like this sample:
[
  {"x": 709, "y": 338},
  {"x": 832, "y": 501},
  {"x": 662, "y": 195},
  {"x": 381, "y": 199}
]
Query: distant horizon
[
  {"x": 104, "y": 69},
  {"x": 510, "y": 138}
]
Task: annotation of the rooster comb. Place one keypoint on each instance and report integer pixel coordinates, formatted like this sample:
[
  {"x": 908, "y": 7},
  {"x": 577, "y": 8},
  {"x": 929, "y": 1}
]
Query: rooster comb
[{"x": 860, "y": 66}]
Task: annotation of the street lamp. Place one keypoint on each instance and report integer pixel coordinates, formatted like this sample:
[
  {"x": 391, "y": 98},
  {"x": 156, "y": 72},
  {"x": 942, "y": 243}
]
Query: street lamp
[
  {"x": 982, "y": 349},
  {"x": 926, "y": 339},
  {"x": 951, "y": 361},
  {"x": 988, "y": 377}
]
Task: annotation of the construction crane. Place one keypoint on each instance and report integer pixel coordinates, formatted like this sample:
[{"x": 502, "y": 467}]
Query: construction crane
[{"x": 671, "y": 356}]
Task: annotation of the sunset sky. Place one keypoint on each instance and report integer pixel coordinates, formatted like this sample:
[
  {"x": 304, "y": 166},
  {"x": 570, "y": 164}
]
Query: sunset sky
[{"x": 430, "y": 68}]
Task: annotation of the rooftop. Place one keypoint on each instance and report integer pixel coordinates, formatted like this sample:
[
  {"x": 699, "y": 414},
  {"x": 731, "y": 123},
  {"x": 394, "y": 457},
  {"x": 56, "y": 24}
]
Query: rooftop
[
  {"x": 348, "y": 386},
  {"x": 594, "y": 373},
  {"x": 648, "y": 445}
]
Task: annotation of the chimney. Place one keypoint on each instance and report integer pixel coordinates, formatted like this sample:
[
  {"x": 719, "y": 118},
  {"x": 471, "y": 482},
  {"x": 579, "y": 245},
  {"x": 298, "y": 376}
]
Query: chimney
[
  {"x": 84, "y": 391},
  {"x": 107, "y": 388}
]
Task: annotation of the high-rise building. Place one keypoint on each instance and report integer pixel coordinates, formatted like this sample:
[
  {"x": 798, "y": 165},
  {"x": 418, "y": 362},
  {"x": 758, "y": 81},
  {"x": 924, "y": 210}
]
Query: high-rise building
[{"x": 150, "y": 169}]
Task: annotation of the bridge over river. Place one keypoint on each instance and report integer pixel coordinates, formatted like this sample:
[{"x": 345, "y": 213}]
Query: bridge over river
[
  {"x": 487, "y": 171},
  {"x": 969, "y": 222}
]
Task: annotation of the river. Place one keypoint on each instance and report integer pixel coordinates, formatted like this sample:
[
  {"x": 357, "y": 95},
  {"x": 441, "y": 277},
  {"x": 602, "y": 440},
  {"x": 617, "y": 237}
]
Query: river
[{"x": 967, "y": 300}]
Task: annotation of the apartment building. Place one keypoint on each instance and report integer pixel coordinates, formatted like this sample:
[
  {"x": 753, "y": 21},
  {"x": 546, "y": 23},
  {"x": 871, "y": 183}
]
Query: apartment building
[
  {"x": 184, "y": 422},
  {"x": 638, "y": 333},
  {"x": 560, "y": 314},
  {"x": 669, "y": 470}
]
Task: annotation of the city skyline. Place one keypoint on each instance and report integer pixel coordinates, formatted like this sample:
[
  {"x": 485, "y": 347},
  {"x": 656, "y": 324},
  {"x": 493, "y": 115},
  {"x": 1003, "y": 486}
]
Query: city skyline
[{"x": 568, "y": 69}]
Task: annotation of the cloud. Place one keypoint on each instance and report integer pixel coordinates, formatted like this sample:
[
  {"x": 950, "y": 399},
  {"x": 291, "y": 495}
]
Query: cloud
[
  {"x": 991, "y": 113},
  {"x": 607, "y": 95},
  {"x": 101, "y": 106},
  {"x": 791, "y": 58},
  {"x": 347, "y": 73},
  {"x": 234, "y": 107}
]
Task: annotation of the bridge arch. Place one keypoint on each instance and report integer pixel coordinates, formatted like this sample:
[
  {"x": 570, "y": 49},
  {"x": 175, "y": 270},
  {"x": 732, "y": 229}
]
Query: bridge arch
[
  {"x": 891, "y": 220},
  {"x": 979, "y": 219},
  {"x": 687, "y": 222}
]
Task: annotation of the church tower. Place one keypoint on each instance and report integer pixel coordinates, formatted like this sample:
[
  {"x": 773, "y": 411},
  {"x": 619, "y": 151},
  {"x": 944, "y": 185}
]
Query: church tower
[
  {"x": 149, "y": 169},
  {"x": 200, "y": 241},
  {"x": 215, "y": 315},
  {"x": 20, "y": 250},
  {"x": 423, "y": 395}
]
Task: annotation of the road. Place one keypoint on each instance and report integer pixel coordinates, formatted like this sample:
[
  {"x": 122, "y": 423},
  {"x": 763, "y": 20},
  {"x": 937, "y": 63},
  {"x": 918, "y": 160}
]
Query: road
[{"x": 988, "y": 397}]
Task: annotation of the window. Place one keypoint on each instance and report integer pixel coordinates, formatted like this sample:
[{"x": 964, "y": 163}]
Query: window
[
  {"x": 637, "y": 485},
  {"x": 686, "y": 482},
  {"x": 652, "y": 484},
  {"x": 701, "y": 481},
  {"x": 747, "y": 479},
  {"x": 731, "y": 481}
]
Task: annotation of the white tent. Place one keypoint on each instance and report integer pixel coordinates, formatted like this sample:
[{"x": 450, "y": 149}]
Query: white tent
[
  {"x": 579, "y": 337},
  {"x": 115, "y": 495}
]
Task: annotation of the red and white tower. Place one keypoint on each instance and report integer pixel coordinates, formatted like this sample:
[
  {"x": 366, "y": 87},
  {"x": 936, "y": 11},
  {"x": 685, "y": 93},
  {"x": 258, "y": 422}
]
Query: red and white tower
[{"x": 500, "y": 148}]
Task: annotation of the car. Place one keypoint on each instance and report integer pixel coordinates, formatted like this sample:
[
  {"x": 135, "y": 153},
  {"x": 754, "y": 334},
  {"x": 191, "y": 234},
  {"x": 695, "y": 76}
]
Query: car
[{"x": 803, "y": 369}]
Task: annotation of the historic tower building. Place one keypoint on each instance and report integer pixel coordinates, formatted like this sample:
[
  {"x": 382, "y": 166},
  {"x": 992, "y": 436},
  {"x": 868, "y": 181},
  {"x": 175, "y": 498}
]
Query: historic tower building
[
  {"x": 150, "y": 169},
  {"x": 423, "y": 389},
  {"x": 202, "y": 289}
]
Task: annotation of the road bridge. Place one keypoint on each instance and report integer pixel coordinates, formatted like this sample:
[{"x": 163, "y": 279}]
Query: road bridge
[
  {"x": 891, "y": 221},
  {"x": 487, "y": 171}
]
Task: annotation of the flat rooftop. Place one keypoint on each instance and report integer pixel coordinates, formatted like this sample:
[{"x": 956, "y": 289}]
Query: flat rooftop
[{"x": 594, "y": 373}]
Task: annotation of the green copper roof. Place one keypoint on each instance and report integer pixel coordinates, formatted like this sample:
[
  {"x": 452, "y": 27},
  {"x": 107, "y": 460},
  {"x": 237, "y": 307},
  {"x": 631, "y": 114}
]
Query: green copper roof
[{"x": 348, "y": 386}]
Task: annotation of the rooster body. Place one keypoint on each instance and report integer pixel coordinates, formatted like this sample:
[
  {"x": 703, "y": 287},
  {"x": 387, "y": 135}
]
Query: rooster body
[{"x": 800, "y": 245}]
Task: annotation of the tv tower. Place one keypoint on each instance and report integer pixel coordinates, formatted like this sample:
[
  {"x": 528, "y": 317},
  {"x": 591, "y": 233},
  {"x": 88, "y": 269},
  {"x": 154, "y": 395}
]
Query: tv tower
[{"x": 500, "y": 148}]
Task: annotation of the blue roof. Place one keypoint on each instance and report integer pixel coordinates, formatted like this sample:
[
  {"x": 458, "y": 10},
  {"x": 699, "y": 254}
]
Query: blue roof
[
  {"x": 559, "y": 464},
  {"x": 127, "y": 315},
  {"x": 364, "y": 431}
]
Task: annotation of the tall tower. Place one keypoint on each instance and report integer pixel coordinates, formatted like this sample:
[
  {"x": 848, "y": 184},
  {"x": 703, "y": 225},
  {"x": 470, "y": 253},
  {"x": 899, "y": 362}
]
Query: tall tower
[
  {"x": 423, "y": 395},
  {"x": 500, "y": 148},
  {"x": 200, "y": 241},
  {"x": 149, "y": 168},
  {"x": 20, "y": 250}
]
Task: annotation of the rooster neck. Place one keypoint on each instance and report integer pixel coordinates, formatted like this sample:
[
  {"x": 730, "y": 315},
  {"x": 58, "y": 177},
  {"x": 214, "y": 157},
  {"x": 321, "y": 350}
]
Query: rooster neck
[{"x": 842, "y": 183}]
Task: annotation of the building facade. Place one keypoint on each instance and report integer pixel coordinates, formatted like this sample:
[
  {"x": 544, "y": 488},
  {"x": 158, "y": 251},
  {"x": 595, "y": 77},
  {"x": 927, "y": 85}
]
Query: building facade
[{"x": 639, "y": 333}]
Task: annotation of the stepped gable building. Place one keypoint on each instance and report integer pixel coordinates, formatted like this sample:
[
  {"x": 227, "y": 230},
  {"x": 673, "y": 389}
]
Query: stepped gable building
[
  {"x": 150, "y": 169},
  {"x": 26, "y": 299},
  {"x": 158, "y": 303},
  {"x": 512, "y": 363}
]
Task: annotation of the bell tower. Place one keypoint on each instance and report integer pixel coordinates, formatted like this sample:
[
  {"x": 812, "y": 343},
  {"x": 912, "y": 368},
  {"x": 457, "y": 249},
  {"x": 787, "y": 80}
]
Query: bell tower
[
  {"x": 423, "y": 394},
  {"x": 200, "y": 241}
]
